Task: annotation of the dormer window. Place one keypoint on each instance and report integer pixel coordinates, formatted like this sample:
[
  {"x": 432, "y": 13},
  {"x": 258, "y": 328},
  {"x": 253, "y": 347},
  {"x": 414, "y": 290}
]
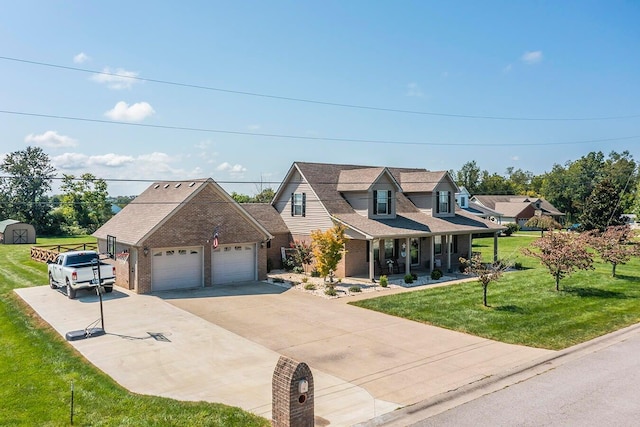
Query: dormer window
[
  {"x": 382, "y": 202},
  {"x": 298, "y": 204},
  {"x": 443, "y": 202}
]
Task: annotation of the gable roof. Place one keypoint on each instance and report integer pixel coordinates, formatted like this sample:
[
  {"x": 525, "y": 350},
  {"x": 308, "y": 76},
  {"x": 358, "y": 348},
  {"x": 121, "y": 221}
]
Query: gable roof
[
  {"x": 154, "y": 206},
  {"x": 267, "y": 216},
  {"x": 478, "y": 209},
  {"x": 323, "y": 179},
  {"x": 362, "y": 179},
  {"x": 421, "y": 181},
  {"x": 508, "y": 204},
  {"x": 7, "y": 222}
]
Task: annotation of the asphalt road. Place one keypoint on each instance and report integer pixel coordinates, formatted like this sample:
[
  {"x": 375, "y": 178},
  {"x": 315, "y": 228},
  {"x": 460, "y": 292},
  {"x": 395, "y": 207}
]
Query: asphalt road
[{"x": 599, "y": 389}]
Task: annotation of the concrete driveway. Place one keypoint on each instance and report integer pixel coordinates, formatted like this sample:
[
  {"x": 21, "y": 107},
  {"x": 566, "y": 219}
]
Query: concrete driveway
[
  {"x": 394, "y": 359},
  {"x": 222, "y": 344}
]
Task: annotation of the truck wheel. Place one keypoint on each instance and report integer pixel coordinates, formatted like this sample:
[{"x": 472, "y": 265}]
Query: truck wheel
[
  {"x": 52, "y": 283},
  {"x": 108, "y": 289},
  {"x": 71, "y": 293}
]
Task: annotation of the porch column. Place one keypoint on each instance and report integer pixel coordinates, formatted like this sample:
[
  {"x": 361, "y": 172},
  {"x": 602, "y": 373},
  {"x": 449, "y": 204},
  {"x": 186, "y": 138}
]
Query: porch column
[
  {"x": 432, "y": 252},
  {"x": 470, "y": 252},
  {"x": 372, "y": 265},
  {"x": 407, "y": 256},
  {"x": 495, "y": 247},
  {"x": 447, "y": 238}
]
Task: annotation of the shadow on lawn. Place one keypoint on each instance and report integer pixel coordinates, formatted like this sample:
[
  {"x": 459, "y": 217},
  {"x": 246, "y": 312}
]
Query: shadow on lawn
[
  {"x": 595, "y": 293},
  {"x": 629, "y": 278}
]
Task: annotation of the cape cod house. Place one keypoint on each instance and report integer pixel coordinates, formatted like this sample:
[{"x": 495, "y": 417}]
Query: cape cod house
[{"x": 396, "y": 219}]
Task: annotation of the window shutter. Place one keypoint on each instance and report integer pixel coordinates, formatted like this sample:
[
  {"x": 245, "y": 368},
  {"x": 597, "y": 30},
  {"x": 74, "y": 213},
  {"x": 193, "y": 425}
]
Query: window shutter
[
  {"x": 304, "y": 204},
  {"x": 293, "y": 201},
  {"x": 437, "y": 202},
  {"x": 368, "y": 248},
  {"x": 450, "y": 205},
  {"x": 375, "y": 202},
  {"x": 389, "y": 202}
]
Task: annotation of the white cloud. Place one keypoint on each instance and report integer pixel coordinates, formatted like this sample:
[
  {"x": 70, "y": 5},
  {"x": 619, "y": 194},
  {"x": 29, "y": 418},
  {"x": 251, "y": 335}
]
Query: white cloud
[
  {"x": 70, "y": 161},
  {"x": 125, "y": 113},
  {"x": 532, "y": 57},
  {"x": 81, "y": 58},
  {"x": 110, "y": 160},
  {"x": 231, "y": 169},
  {"x": 414, "y": 90},
  {"x": 50, "y": 138},
  {"x": 515, "y": 158},
  {"x": 117, "y": 79}
]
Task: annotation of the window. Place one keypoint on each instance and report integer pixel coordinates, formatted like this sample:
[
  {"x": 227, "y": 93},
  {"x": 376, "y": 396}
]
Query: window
[
  {"x": 381, "y": 202},
  {"x": 454, "y": 244},
  {"x": 389, "y": 248},
  {"x": 463, "y": 201},
  {"x": 298, "y": 204},
  {"x": 437, "y": 245},
  {"x": 443, "y": 202}
]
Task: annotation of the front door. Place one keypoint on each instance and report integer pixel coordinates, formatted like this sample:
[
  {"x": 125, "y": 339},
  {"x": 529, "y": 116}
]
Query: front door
[{"x": 415, "y": 251}]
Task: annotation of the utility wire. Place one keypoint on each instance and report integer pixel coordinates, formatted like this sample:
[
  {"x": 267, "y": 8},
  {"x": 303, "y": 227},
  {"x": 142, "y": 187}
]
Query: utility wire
[
  {"x": 314, "y": 138},
  {"x": 317, "y": 102}
]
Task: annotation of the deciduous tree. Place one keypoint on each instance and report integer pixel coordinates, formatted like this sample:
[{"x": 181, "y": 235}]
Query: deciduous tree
[
  {"x": 614, "y": 245},
  {"x": 328, "y": 247},
  {"x": 543, "y": 222},
  {"x": 302, "y": 253},
  {"x": 602, "y": 208},
  {"x": 486, "y": 273},
  {"x": 24, "y": 190},
  {"x": 84, "y": 202},
  {"x": 562, "y": 254}
]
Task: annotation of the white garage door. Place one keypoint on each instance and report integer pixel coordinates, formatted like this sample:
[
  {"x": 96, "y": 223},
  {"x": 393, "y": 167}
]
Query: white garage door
[
  {"x": 233, "y": 263},
  {"x": 176, "y": 268}
]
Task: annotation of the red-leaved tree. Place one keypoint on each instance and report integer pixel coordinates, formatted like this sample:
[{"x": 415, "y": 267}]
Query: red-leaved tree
[
  {"x": 486, "y": 273},
  {"x": 562, "y": 254},
  {"x": 614, "y": 245}
]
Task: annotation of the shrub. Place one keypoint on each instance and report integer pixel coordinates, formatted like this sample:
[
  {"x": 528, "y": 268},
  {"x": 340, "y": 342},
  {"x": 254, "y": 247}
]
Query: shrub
[
  {"x": 310, "y": 287},
  {"x": 512, "y": 227},
  {"x": 315, "y": 273},
  {"x": 305, "y": 279},
  {"x": 298, "y": 269},
  {"x": 415, "y": 276},
  {"x": 288, "y": 264},
  {"x": 463, "y": 267},
  {"x": 330, "y": 291},
  {"x": 384, "y": 281},
  {"x": 436, "y": 274},
  {"x": 517, "y": 266},
  {"x": 278, "y": 280},
  {"x": 355, "y": 289},
  {"x": 408, "y": 278}
]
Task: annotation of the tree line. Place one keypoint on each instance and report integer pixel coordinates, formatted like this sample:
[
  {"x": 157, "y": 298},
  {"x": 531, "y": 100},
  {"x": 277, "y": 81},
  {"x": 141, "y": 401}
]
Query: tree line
[{"x": 571, "y": 188}]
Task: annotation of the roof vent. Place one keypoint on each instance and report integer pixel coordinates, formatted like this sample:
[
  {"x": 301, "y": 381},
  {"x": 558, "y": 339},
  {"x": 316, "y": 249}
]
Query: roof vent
[
  {"x": 192, "y": 184},
  {"x": 157, "y": 186},
  {"x": 166, "y": 186},
  {"x": 178, "y": 184}
]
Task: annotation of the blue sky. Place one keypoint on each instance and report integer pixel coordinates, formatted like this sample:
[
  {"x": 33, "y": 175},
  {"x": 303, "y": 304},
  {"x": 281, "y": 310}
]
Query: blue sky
[{"x": 531, "y": 60}]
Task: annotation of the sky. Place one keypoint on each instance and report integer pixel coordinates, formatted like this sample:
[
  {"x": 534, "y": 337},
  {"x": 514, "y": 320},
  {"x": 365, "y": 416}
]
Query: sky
[{"x": 139, "y": 91}]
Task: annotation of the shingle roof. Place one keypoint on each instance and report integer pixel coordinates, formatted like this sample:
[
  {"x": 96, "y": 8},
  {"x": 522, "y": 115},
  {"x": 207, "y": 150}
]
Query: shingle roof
[
  {"x": 358, "y": 179},
  {"x": 149, "y": 209},
  {"x": 267, "y": 215},
  {"x": 478, "y": 209},
  {"x": 492, "y": 201},
  {"x": 323, "y": 179},
  {"x": 420, "y": 182}
]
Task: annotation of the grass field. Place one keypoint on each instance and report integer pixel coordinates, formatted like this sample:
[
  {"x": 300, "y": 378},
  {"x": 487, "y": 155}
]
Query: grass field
[
  {"x": 524, "y": 307},
  {"x": 37, "y": 367}
]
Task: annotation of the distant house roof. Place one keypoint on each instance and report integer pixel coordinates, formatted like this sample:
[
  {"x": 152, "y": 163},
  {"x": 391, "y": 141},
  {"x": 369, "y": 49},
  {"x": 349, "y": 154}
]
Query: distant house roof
[
  {"x": 511, "y": 206},
  {"x": 267, "y": 216},
  {"x": 478, "y": 209}
]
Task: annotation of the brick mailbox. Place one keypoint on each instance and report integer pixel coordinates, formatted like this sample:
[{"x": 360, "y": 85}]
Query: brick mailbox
[{"x": 292, "y": 394}]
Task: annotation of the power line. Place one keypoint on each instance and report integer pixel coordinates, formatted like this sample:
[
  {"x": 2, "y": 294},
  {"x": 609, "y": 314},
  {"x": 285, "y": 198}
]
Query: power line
[
  {"x": 318, "y": 102},
  {"x": 314, "y": 138}
]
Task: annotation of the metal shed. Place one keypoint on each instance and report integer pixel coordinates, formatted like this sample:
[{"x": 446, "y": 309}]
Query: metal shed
[{"x": 16, "y": 232}]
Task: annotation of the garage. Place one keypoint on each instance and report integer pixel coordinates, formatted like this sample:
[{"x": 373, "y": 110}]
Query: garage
[
  {"x": 233, "y": 263},
  {"x": 176, "y": 268}
]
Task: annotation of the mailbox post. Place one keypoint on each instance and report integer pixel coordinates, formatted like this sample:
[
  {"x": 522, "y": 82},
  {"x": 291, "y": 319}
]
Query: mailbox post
[{"x": 292, "y": 394}]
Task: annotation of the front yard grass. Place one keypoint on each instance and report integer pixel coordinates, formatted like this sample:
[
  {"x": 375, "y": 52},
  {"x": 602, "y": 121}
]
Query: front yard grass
[
  {"x": 37, "y": 367},
  {"x": 524, "y": 307}
]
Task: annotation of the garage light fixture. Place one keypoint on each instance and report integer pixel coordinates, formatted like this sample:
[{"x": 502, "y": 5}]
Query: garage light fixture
[{"x": 145, "y": 251}]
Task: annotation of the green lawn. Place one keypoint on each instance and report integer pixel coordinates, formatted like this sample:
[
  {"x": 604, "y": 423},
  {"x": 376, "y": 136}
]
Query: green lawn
[
  {"x": 524, "y": 307},
  {"x": 37, "y": 367}
]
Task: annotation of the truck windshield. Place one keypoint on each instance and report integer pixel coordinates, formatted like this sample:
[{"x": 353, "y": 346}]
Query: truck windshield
[{"x": 81, "y": 259}]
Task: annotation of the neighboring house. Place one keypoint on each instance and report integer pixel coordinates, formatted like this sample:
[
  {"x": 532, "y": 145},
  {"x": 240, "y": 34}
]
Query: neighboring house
[
  {"x": 185, "y": 234},
  {"x": 405, "y": 216},
  {"x": 271, "y": 220},
  {"x": 13, "y": 232},
  {"x": 463, "y": 198},
  {"x": 518, "y": 209}
]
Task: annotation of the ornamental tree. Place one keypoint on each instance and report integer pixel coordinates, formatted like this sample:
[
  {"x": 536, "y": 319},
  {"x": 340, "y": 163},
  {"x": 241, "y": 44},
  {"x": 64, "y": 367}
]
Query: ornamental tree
[
  {"x": 486, "y": 273},
  {"x": 302, "y": 253},
  {"x": 544, "y": 223},
  {"x": 328, "y": 247},
  {"x": 614, "y": 245},
  {"x": 562, "y": 254}
]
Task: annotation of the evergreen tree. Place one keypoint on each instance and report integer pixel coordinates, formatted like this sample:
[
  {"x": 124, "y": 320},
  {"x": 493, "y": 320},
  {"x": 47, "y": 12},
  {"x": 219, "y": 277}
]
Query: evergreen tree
[{"x": 602, "y": 208}]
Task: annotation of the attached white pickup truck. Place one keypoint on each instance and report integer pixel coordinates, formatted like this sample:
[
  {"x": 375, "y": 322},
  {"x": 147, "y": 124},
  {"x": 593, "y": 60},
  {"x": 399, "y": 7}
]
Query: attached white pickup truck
[{"x": 78, "y": 270}]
